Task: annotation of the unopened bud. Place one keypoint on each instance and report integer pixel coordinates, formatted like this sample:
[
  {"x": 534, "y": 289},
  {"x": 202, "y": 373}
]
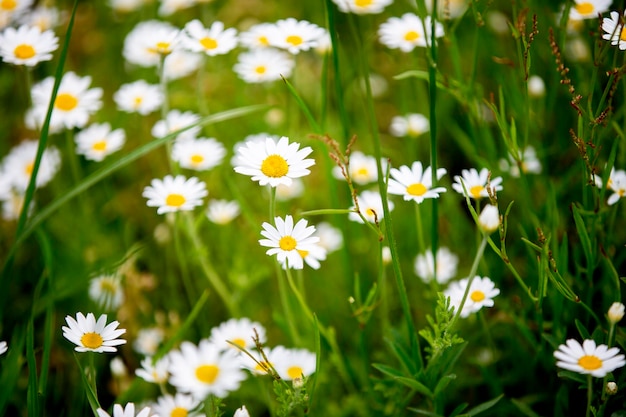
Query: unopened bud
[
  {"x": 489, "y": 219},
  {"x": 297, "y": 383},
  {"x": 616, "y": 312},
  {"x": 611, "y": 388},
  {"x": 386, "y": 255}
]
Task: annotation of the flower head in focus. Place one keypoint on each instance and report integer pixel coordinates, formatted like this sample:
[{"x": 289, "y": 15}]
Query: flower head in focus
[
  {"x": 481, "y": 293},
  {"x": 415, "y": 183},
  {"x": 90, "y": 335},
  {"x": 287, "y": 240},
  {"x": 370, "y": 206},
  {"x": 27, "y": 45},
  {"x": 172, "y": 194},
  {"x": 588, "y": 358},
  {"x": 474, "y": 183}
]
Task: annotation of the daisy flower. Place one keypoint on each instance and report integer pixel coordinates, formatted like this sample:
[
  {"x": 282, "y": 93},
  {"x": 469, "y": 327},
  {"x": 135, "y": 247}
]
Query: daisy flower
[
  {"x": 180, "y": 64},
  {"x": 362, "y": 6},
  {"x": 169, "y": 7},
  {"x": 138, "y": 97},
  {"x": 199, "y": 154},
  {"x": 296, "y": 363},
  {"x": 43, "y": 17},
  {"x": 257, "y": 36},
  {"x": 241, "y": 412},
  {"x": 222, "y": 211},
  {"x": 331, "y": 238},
  {"x": 154, "y": 372},
  {"x": 370, "y": 206},
  {"x": 415, "y": 183},
  {"x": 273, "y": 162},
  {"x": 312, "y": 256},
  {"x": 407, "y": 32},
  {"x": 12, "y": 9},
  {"x": 238, "y": 331},
  {"x": 98, "y": 141},
  {"x": 19, "y": 163},
  {"x": 481, "y": 294},
  {"x": 128, "y": 411},
  {"x": 258, "y": 365},
  {"x": 295, "y": 35},
  {"x": 489, "y": 219},
  {"x": 176, "y": 120},
  {"x": 180, "y": 405},
  {"x": 588, "y": 358},
  {"x": 412, "y": 125},
  {"x": 27, "y": 45},
  {"x": 3, "y": 347},
  {"x": 287, "y": 240},
  {"x": 530, "y": 164},
  {"x": 257, "y": 138},
  {"x": 106, "y": 290},
  {"x": 211, "y": 41},
  {"x": 288, "y": 192},
  {"x": 617, "y": 184},
  {"x": 613, "y": 30},
  {"x": 536, "y": 86},
  {"x": 204, "y": 369},
  {"x": 449, "y": 8},
  {"x": 172, "y": 194},
  {"x": 90, "y": 335},
  {"x": 475, "y": 183},
  {"x": 149, "y": 41},
  {"x": 263, "y": 65},
  {"x": 588, "y": 9},
  {"x": 12, "y": 205},
  {"x": 148, "y": 340},
  {"x": 447, "y": 263},
  {"x": 361, "y": 169}
]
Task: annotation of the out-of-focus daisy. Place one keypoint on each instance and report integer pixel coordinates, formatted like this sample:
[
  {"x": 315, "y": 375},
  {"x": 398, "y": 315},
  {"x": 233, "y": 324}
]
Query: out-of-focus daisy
[
  {"x": 331, "y": 238},
  {"x": 362, "y": 6},
  {"x": 295, "y": 35},
  {"x": 98, "y": 141},
  {"x": 617, "y": 184},
  {"x": 449, "y": 8},
  {"x": 475, "y": 183},
  {"x": 412, "y": 125},
  {"x": 481, "y": 294},
  {"x": 311, "y": 256},
  {"x": 172, "y": 194},
  {"x": 273, "y": 162},
  {"x": 139, "y": 97},
  {"x": 529, "y": 162},
  {"x": 222, "y": 211},
  {"x": 588, "y": 9},
  {"x": 287, "y": 240},
  {"x": 415, "y": 183},
  {"x": 407, "y": 32},
  {"x": 176, "y": 120},
  {"x": 614, "y": 30},
  {"x": 148, "y": 340},
  {"x": 238, "y": 331},
  {"x": 370, "y": 206},
  {"x": 154, "y": 372},
  {"x": 27, "y": 45},
  {"x": 204, "y": 369},
  {"x": 296, "y": 363},
  {"x": 3, "y": 347},
  {"x": 447, "y": 263},
  {"x": 489, "y": 219},
  {"x": 43, "y": 17},
  {"x": 149, "y": 41},
  {"x": 212, "y": 41},
  {"x": 241, "y": 412},
  {"x": 199, "y": 154},
  {"x": 288, "y": 192},
  {"x": 361, "y": 168},
  {"x": 12, "y": 205},
  {"x": 536, "y": 86},
  {"x": 19, "y": 163},
  {"x": 126, "y": 6},
  {"x": 106, "y": 290},
  {"x": 11, "y": 10},
  {"x": 263, "y": 65},
  {"x": 257, "y": 36},
  {"x": 90, "y": 335},
  {"x": 74, "y": 102},
  {"x": 386, "y": 255},
  {"x": 180, "y": 64},
  {"x": 588, "y": 358},
  {"x": 180, "y": 405},
  {"x": 169, "y": 7},
  {"x": 118, "y": 367},
  {"x": 128, "y": 411}
]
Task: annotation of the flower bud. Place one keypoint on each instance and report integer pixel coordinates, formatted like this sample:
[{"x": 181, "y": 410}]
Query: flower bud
[
  {"x": 489, "y": 219},
  {"x": 611, "y": 388},
  {"x": 616, "y": 312}
]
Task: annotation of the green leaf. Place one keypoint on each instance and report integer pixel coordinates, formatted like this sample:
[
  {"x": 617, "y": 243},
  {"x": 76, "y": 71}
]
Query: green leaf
[
  {"x": 524, "y": 408},
  {"x": 582, "y": 329},
  {"x": 424, "y": 412},
  {"x": 483, "y": 407},
  {"x": 388, "y": 370},
  {"x": 585, "y": 241},
  {"x": 459, "y": 408},
  {"x": 443, "y": 383},
  {"x": 415, "y": 385}
]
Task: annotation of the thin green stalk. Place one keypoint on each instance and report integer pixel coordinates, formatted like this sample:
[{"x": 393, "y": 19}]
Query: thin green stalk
[
  {"x": 589, "y": 395},
  {"x": 471, "y": 275},
  {"x": 432, "y": 90},
  {"x": 421, "y": 247},
  {"x": 286, "y": 305},
  {"x": 181, "y": 259}
]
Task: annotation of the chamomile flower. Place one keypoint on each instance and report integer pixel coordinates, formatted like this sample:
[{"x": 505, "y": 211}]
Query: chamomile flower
[
  {"x": 106, "y": 290},
  {"x": 27, "y": 45},
  {"x": 241, "y": 412},
  {"x": 212, "y": 41},
  {"x": 176, "y": 120},
  {"x": 263, "y": 65},
  {"x": 529, "y": 163},
  {"x": 295, "y": 36},
  {"x": 19, "y": 163},
  {"x": 257, "y": 36},
  {"x": 588, "y": 9},
  {"x": 128, "y": 411},
  {"x": 362, "y": 6},
  {"x": 222, "y": 211},
  {"x": 138, "y": 97},
  {"x": 481, "y": 294},
  {"x": 361, "y": 169},
  {"x": 11, "y": 10},
  {"x": 181, "y": 63},
  {"x": 149, "y": 41},
  {"x": 296, "y": 363},
  {"x": 287, "y": 240},
  {"x": 172, "y": 194},
  {"x": 312, "y": 256},
  {"x": 489, "y": 219},
  {"x": 257, "y": 138},
  {"x": 199, "y": 154},
  {"x": 588, "y": 358},
  {"x": 3, "y": 347},
  {"x": 98, "y": 141},
  {"x": 411, "y": 125},
  {"x": 614, "y": 30},
  {"x": 407, "y": 32},
  {"x": 273, "y": 162},
  {"x": 475, "y": 183},
  {"x": 238, "y": 331},
  {"x": 447, "y": 263},
  {"x": 180, "y": 405},
  {"x": 154, "y": 372},
  {"x": 12, "y": 205},
  {"x": 331, "y": 238},
  {"x": 205, "y": 369},
  {"x": 617, "y": 184},
  {"x": 90, "y": 335},
  {"x": 169, "y": 7},
  {"x": 43, "y": 17},
  {"x": 415, "y": 183},
  {"x": 148, "y": 340},
  {"x": 370, "y": 206}
]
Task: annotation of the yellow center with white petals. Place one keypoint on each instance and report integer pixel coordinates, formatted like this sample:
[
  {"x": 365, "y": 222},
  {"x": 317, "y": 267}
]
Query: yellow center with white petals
[
  {"x": 477, "y": 296},
  {"x": 411, "y": 36},
  {"x": 163, "y": 48},
  {"x": 417, "y": 189},
  {"x": 622, "y": 34},
  {"x": 8, "y": 5},
  {"x": 175, "y": 200},
  {"x": 263, "y": 40},
  {"x": 137, "y": 101},
  {"x": 370, "y": 212},
  {"x": 24, "y": 51},
  {"x": 208, "y": 43},
  {"x": 99, "y": 146},
  {"x": 294, "y": 40},
  {"x": 196, "y": 159},
  {"x": 590, "y": 362},
  {"x": 29, "y": 168},
  {"x": 179, "y": 412},
  {"x": 207, "y": 373},
  {"x": 260, "y": 69},
  {"x": 275, "y": 166},
  {"x": 262, "y": 366},
  {"x": 363, "y": 3},
  {"x": 476, "y": 191},
  {"x": 66, "y": 102},
  {"x": 108, "y": 286},
  {"x": 294, "y": 372},
  {"x": 584, "y": 8},
  {"x": 287, "y": 243},
  {"x": 91, "y": 340},
  {"x": 303, "y": 253},
  {"x": 239, "y": 342}
]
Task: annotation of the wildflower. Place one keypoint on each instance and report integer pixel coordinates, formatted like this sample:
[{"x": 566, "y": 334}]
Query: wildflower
[
  {"x": 241, "y": 412},
  {"x": 386, "y": 255},
  {"x": 296, "y": 363},
  {"x": 43, "y": 17},
  {"x": 155, "y": 372},
  {"x": 90, "y": 335},
  {"x": 222, "y": 211},
  {"x": 411, "y": 125},
  {"x": 529, "y": 163},
  {"x": 489, "y": 219},
  {"x": 288, "y": 192},
  {"x": 481, "y": 293},
  {"x": 149, "y": 41},
  {"x": 128, "y": 411},
  {"x": 475, "y": 183},
  {"x": 27, "y": 45},
  {"x": 617, "y": 184},
  {"x": 263, "y": 65},
  {"x": 362, "y": 6},
  {"x": 138, "y": 97},
  {"x": 177, "y": 120},
  {"x": 616, "y": 312},
  {"x": 212, "y": 41},
  {"x": 118, "y": 368},
  {"x": 199, "y": 154},
  {"x": 12, "y": 205},
  {"x": 172, "y": 194},
  {"x": 407, "y": 32},
  {"x": 286, "y": 241},
  {"x": 238, "y": 331},
  {"x": 181, "y": 63},
  {"x": 370, "y": 206},
  {"x": 258, "y": 365},
  {"x": 447, "y": 263},
  {"x": 169, "y": 7},
  {"x": 331, "y": 238},
  {"x": 3, "y": 347},
  {"x": 174, "y": 406},
  {"x": 588, "y": 359},
  {"x": 613, "y": 30},
  {"x": 536, "y": 86},
  {"x": 257, "y": 36},
  {"x": 415, "y": 183},
  {"x": 257, "y": 138},
  {"x": 295, "y": 35},
  {"x": 204, "y": 369},
  {"x": 272, "y": 162},
  {"x": 611, "y": 388},
  {"x": 450, "y": 9},
  {"x": 106, "y": 290},
  {"x": 148, "y": 340},
  {"x": 19, "y": 163},
  {"x": 361, "y": 169},
  {"x": 126, "y": 6},
  {"x": 311, "y": 256},
  {"x": 12, "y": 9},
  {"x": 98, "y": 141},
  {"x": 588, "y": 9}
]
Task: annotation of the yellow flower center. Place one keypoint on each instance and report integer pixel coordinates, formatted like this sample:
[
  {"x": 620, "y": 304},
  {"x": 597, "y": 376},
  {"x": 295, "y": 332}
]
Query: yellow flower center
[
  {"x": 294, "y": 372},
  {"x": 590, "y": 362},
  {"x": 263, "y": 40},
  {"x": 179, "y": 412},
  {"x": 303, "y": 253},
  {"x": 8, "y": 5},
  {"x": 370, "y": 212},
  {"x": 263, "y": 366},
  {"x": 477, "y": 296},
  {"x": 275, "y": 166},
  {"x": 208, "y": 43},
  {"x": 175, "y": 200},
  {"x": 476, "y": 190},
  {"x": 584, "y": 8},
  {"x": 65, "y": 102},
  {"x": 24, "y": 51},
  {"x": 138, "y": 101},
  {"x": 29, "y": 168},
  {"x": 91, "y": 340},
  {"x": 362, "y": 172},
  {"x": 411, "y": 36},
  {"x": 287, "y": 243},
  {"x": 295, "y": 40},
  {"x": 417, "y": 189},
  {"x": 108, "y": 286},
  {"x": 163, "y": 48},
  {"x": 622, "y": 34},
  {"x": 99, "y": 146},
  {"x": 260, "y": 69},
  {"x": 239, "y": 342},
  {"x": 207, "y": 373},
  {"x": 197, "y": 159},
  {"x": 363, "y": 3}
]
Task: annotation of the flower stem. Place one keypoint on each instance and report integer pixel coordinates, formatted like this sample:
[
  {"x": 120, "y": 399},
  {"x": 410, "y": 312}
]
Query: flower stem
[{"x": 472, "y": 274}]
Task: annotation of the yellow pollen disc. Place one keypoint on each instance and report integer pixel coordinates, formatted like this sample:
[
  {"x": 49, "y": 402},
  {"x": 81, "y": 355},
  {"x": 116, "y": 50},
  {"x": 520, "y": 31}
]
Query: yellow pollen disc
[
  {"x": 179, "y": 412},
  {"x": 65, "y": 102},
  {"x": 175, "y": 200},
  {"x": 108, "y": 287},
  {"x": 263, "y": 40},
  {"x": 24, "y": 51},
  {"x": 287, "y": 243},
  {"x": 411, "y": 36},
  {"x": 29, "y": 168},
  {"x": 303, "y": 253},
  {"x": 162, "y": 48},
  {"x": 590, "y": 362},
  {"x": 275, "y": 166},
  {"x": 416, "y": 189},
  {"x": 100, "y": 146},
  {"x": 622, "y": 34},
  {"x": 239, "y": 342},
  {"x": 262, "y": 366},
  {"x": 138, "y": 101},
  {"x": 584, "y": 8},
  {"x": 207, "y": 373},
  {"x": 208, "y": 43},
  {"x": 477, "y": 296},
  {"x": 7, "y": 5},
  {"x": 370, "y": 212},
  {"x": 294, "y": 372},
  {"x": 260, "y": 69},
  {"x": 476, "y": 190},
  {"x": 197, "y": 159},
  {"x": 621, "y": 192},
  {"x": 362, "y": 172},
  {"x": 363, "y": 3},
  {"x": 295, "y": 40},
  {"x": 91, "y": 340}
]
